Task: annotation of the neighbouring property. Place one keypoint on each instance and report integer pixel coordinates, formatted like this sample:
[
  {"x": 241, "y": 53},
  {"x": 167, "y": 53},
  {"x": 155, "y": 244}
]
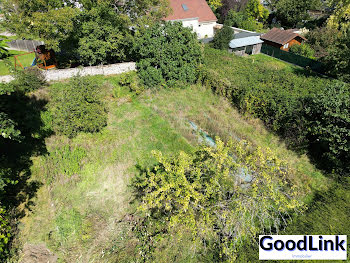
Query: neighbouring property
[
  {"x": 246, "y": 43},
  {"x": 195, "y": 14},
  {"x": 282, "y": 39}
]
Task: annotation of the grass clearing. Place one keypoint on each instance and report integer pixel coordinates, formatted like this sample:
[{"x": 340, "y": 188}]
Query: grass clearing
[{"x": 6, "y": 64}]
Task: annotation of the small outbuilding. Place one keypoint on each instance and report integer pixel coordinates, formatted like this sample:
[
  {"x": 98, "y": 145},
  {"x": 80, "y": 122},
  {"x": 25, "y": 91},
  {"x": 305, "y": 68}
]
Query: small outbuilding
[
  {"x": 282, "y": 39},
  {"x": 246, "y": 43}
]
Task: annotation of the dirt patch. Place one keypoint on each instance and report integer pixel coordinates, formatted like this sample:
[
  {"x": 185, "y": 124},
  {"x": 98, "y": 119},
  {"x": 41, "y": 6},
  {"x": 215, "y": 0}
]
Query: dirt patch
[{"x": 37, "y": 254}]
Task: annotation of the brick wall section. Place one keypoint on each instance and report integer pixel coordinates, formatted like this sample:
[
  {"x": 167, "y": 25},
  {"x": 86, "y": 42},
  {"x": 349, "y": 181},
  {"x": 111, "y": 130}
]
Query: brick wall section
[{"x": 60, "y": 74}]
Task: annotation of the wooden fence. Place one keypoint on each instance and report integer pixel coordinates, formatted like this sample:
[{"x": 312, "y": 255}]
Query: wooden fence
[{"x": 293, "y": 58}]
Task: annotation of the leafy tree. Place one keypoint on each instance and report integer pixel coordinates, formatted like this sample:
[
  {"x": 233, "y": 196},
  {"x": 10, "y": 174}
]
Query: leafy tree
[
  {"x": 272, "y": 4},
  {"x": 167, "y": 52},
  {"x": 206, "y": 193},
  {"x": 339, "y": 58},
  {"x": 228, "y": 5},
  {"x": 256, "y": 10},
  {"x": 45, "y": 19},
  {"x": 242, "y": 20},
  {"x": 54, "y": 26},
  {"x": 303, "y": 50},
  {"x": 223, "y": 38},
  {"x": 100, "y": 36},
  {"x": 292, "y": 12},
  {"x": 340, "y": 19},
  {"x": 53, "y": 21},
  {"x": 214, "y": 4},
  {"x": 322, "y": 40},
  {"x": 329, "y": 121},
  {"x": 78, "y": 107}
]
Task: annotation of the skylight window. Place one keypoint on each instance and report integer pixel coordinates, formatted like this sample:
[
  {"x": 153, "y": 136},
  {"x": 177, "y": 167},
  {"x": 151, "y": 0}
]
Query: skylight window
[{"x": 184, "y": 7}]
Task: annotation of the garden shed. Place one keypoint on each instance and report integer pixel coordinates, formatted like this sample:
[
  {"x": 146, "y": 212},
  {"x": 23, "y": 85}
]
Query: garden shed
[
  {"x": 246, "y": 43},
  {"x": 282, "y": 39}
]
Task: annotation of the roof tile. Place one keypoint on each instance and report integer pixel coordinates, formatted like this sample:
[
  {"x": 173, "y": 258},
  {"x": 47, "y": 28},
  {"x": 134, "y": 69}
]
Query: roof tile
[
  {"x": 280, "y": 36},
  {"x": 196, "y": 9}
]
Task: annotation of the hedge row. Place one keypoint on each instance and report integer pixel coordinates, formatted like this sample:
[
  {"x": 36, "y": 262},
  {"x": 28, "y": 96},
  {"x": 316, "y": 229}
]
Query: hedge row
[{"x": 310, "y": 112}]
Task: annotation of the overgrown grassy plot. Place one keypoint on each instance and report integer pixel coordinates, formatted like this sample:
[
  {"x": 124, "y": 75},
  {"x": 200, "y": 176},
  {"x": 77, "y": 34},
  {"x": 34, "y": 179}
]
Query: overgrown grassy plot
[
  {"x": 217, "y": 117},
  {"x": 83, "y": 211},
  {"x": 79, "y": 206}
]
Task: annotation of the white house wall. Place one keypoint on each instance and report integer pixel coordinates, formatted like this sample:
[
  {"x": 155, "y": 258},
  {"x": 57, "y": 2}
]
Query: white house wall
[
  {"x": 203, "y": 30},
  {"x": 206, "y": 29}
]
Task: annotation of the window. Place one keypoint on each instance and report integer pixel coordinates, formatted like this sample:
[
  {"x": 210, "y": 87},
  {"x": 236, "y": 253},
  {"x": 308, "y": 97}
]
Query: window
[
  {"x": 184, "y": 7},
  {"x": 286, "y": 46}
]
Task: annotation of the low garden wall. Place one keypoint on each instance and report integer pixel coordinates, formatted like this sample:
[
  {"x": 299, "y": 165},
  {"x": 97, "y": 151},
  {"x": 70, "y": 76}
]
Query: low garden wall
[{"x": 60, "y": 74}]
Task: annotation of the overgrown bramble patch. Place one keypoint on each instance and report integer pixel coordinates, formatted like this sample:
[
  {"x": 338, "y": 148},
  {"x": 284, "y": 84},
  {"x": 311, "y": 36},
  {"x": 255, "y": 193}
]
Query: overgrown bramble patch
[{"x": 222, "y": 195}]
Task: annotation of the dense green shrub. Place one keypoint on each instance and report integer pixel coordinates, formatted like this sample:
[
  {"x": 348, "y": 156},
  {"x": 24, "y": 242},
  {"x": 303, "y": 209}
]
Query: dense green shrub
[
  {"x": 303, "y": 50},
  {"x": 20, "y": 138},
  {"x": 131, "y": 81},
  {"x": 328, "y": 115},
  {"x": 223, "y": 38},
  {"x": 338, "y": 59},
  {"x": 207, "y": 194},
  {"x": 167, "y": 53},
  {"x": 78, "y": 107},
  {"x": 4, "y": 233},
  {"x": 29, "y": 79}
]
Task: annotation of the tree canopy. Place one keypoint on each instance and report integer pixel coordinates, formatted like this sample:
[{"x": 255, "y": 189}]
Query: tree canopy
[
  {"x": 53, "y": 21},
  {"x": 292, "y": 12},
  {"x": 167, "y": 52}
]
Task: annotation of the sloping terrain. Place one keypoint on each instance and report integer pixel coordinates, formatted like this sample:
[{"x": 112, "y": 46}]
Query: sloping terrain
[{"x": 85, "y": 194}]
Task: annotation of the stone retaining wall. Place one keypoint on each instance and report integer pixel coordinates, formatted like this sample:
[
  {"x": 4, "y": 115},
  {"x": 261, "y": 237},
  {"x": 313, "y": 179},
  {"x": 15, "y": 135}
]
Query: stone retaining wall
[{"x": 60, "y": 74}]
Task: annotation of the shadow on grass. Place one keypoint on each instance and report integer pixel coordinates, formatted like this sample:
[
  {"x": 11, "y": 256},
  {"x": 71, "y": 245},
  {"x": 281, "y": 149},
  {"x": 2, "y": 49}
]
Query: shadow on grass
[{"x": 15, "y": 157}]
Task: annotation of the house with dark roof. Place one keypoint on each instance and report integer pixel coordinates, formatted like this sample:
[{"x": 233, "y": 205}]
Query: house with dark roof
[
  {"x": 195, "y": 14},
  {"x": 282, "y": 39}
]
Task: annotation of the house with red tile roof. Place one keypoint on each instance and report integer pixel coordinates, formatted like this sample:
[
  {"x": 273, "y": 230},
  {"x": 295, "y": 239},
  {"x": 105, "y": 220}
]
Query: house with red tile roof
[{"x": 195, "y": 14}]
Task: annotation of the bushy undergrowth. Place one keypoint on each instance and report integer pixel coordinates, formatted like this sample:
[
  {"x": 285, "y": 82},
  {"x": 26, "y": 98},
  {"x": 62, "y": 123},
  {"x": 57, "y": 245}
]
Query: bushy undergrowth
[
  {"x": 29, "y": 79},
  {"x": 78, "y": 107},
  {"x": 208, "y": 194},
  {"x": 298, "y": 105},
  {"x": 223, "y": 38},
  {"x": 4, "y": 233}
]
